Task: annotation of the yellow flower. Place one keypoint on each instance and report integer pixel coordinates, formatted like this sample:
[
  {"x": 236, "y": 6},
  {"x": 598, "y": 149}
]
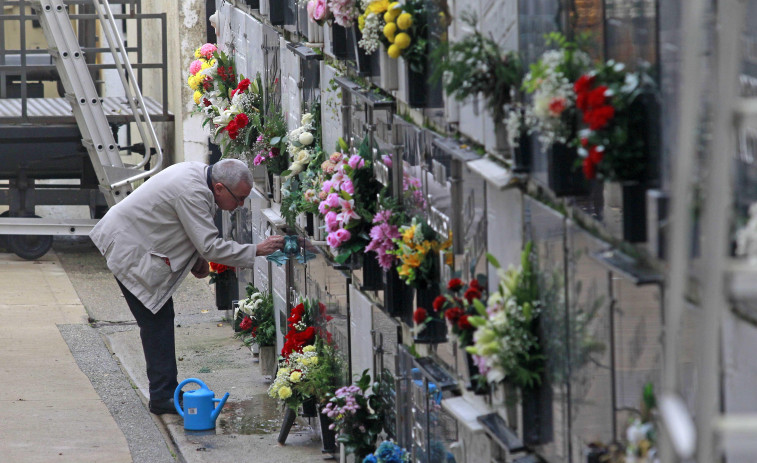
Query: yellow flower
[
  {"x": 393, "y": 11},
  {"x": 361, "y": 22},
  {"x": 310, "y": 348},
  {"x": 197, "y": 95},
  {"x": 389, "y": 30},
  {"x": 409, "y": 233},
  {"x": 285, "y": 392},
  {"x": 405, "y": 271},
  {"x": 192, "y": 82},
  {"x": 404, "y": 21},
  {"x": 424, "y": 247},
  {"x": 283, "y": 372},
  {"x": 413, "y": 260},
  {"x": 393, "y": 51},
  {"x": 314, "y": 360},
  {"x": 378, "y": 6},
  {"x": 197, "y": 53},
  {"x": 295, "y": 377},
  {"x": 402, "y": 40},
  {"x": 449, "y": 258}
]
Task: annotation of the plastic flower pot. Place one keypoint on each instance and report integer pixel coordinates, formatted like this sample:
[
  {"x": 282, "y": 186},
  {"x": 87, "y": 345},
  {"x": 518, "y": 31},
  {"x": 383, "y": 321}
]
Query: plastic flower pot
[
  {"x": 286, "y": 425},
  {"x": 227, "y": 290},
  {"x": 537, "y": 415},
  {"x": 398, "y": 297},
  {"x": 309, "y": 223},
  {"x": 521, "y": 155},
  {"x": 339, "y": 45},
  {"x": 308, "y": 408},
  {"x": 634, "y": 212},
  {"x": 328, "y": 436},
  {"x": 277, "y": 12},
  {"x": 267, "y": 361},
  {"x": 372, "y": 275},
  {"x": 565, "y": 179},
  {"x": 420, "y": 92},
  {"x": 367, "y": 65}
]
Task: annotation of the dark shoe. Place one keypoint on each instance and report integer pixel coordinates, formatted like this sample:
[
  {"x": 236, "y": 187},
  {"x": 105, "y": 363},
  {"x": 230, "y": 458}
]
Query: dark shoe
[{"x": 162, "y": 407}]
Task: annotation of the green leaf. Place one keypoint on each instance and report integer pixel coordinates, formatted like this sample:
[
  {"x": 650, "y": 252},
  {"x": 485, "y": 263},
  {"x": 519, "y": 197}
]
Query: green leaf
[
  {"x": 275, "y": 140},
  {"x": 342, "y": 145},
  {"x": 286, "y": 172},
  {"x": 480, "y": 307},
  {"x": 342, "y": 257},
  {"x": 492, "y": 260}
]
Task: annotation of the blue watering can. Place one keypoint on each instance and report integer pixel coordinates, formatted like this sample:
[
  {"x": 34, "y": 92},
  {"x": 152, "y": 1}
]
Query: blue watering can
[{"x": 198, "y": 413}]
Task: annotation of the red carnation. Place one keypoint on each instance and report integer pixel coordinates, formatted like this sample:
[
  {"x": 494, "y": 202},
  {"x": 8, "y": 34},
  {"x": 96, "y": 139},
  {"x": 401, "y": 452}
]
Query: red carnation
[
  {"x": 599, "y": 117},
  {"x": 454, "y": 314},
  {"x": 245, "y": 324},
  {"x": 597, "y": 97},
  {"x": 439, "y": 303},
  {"x": 463, "y": 323},
  {"x": 455, "y": 284},
  {"x": 420, "y": 315},
  {"x": 241, "y": 88},
  {"x": 590, "y": 169},
  {"x": 471, "y": 294},
  {"x": 557, "y": 106},
  {"x": 254, "y": 331},
  {"x": 206, "y": 102},
  {"x": 241, "y": 120},
  {"x": 475, "y": 285},
  {"x": 584, "y": 83}
]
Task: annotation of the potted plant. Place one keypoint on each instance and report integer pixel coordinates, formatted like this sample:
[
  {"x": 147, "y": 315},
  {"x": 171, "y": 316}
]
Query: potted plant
[
  {"x": 357, "y": 414},
  {"x": 225, "y": 279},
  {"x": 552, "y": 111},
  {"x": 495, "y": 76},
  {"x": 615, "y": 140}
]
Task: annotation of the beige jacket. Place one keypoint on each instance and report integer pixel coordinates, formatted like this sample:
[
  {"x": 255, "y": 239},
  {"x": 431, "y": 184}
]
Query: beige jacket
[{"x": 153, "y": 237}]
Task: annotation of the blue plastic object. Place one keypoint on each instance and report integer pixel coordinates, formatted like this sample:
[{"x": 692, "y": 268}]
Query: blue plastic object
[
  {"x": 199, "y": 412},
  {"x": 291, "y": 251}
]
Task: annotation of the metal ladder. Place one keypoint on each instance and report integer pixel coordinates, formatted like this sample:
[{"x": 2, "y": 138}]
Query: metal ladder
[
  {"x": 115, "y": 179},
  {"x": 697, "y": 436}
]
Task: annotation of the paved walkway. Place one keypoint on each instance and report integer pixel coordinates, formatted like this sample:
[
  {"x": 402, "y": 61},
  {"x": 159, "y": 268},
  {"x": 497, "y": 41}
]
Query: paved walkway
[{"x": 49, "y": 410}]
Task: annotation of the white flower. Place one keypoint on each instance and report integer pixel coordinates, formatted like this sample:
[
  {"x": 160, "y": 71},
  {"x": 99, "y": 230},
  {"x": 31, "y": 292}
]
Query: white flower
[
  {"x": 302, "y": 157},
  {"x": 630, "y": 83},
  {"x": 306, "y": 138},
  {"x": 307, "y": 118}
]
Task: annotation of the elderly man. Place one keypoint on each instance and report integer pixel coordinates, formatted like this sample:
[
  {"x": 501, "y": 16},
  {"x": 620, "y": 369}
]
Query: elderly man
[{"x": 158, "y": 234}]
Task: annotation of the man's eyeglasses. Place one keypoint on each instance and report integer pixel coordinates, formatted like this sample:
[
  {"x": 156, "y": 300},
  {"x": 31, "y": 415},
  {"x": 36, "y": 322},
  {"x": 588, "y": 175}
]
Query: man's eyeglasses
[{"x": 233, "y": 195}]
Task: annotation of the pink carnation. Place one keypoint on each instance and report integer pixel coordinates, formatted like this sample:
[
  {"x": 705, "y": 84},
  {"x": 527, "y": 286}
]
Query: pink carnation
[
  {"x": 258, "y": 160},
  {"x": 207, "y": 50},
  {"x": 332, "y": 201},
  {"x": 195, "y": 67}
]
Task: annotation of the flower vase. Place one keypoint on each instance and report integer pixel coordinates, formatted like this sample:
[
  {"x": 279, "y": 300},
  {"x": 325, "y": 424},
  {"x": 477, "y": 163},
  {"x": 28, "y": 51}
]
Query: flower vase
[
  {"x": 276, "y": 189},
  {"x": 420, "y": 92},
  {"x": 536, "y": 405},
  {"x": 328, "y": 436},
  {"x": 267, "y": 361},
  {"x": 372, "y": 274},
  {"x": 389, "y": 74},
  {"x": 286, "y": 425},
  {"x": 398, "y": 297},
  {"x": 364, "y": 61},
  {"x": 634, "y": 212},
  {"x": 521, "y": 155},
  {"x": 565, "y": 178},
  {"x": 339, "y": 47},
  {"x": 435, "y": 331},
  {"x": 227, "y": 290},
  {"x": 478, "y": 387},
  {"x": 309, "y": 408},
  {"x": 277, "y": 12}
]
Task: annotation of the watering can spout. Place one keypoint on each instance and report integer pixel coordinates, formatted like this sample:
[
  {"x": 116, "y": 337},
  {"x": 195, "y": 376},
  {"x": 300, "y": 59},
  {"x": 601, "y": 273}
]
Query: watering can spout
[{"x": 221, "y": 403}]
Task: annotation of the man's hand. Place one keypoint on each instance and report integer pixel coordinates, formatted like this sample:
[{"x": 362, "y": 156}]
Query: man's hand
[
  {"x": 201, "y": 268},
  {"x": 272, "y": 244}
]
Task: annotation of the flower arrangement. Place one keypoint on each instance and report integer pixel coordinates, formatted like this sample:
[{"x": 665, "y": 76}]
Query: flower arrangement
[
  {"x": 550, "y": 82},
  {"x": 416, "y": 250},
  {"x": 383, "y": 233},
  {"x": 358, "y": 416},
  {"x": 408, "y": 28},
  {"x": 271, "y": 142},
  {"x": 476, "y": 65},
  {"x": 377, "y": 14},
  {"x": 218, "y": 269},
  {"x": 350, "y": 202},
  {"x": 304, "y": 326},
  {"x": 301, "y": 145},
  {"x": 388, "y": 452},
  {"x": 505, "y": 343},
  {"x": 344, "y": 11},
  {"x": 412, "y": 192},
  {"x": 458, "y": 305},
  {"x": 304, "y": 375},
  {"x": 258, "y": 325},
  {"x": 612, "y": 145}
]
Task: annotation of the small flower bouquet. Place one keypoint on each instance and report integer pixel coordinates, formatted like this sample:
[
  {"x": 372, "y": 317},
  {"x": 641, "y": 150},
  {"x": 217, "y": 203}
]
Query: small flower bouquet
[
  {"x": 258, "y": 325},
  {"x": 383, "y": 233},
  {"x": 388, "y": 452},
  {"x": 417, "y": 248},
  {"x": 304, "y": 375},
  {"x": 458, "y": 305},
  {"x": 358, "y": 416},
  {"x": 612, "y": 144},
  {"x": 301, "y": 146},
  {"x": 218, "y": 269},
  {"x": 550, "y": 82},
  {"x": 345, "y": 12},
  {"x": 318, "y": 11},
  {"x": 305, "y": 324},
  {"x": 270, "y": 144},
  {"x": 373, "y": 24},
  {"x": 505, "y": 343},
  {"x": 350, "y": 203}
]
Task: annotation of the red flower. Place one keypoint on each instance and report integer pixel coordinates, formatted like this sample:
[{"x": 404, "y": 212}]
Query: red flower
[
  {"x": 584, "y": 83},
  {"x": 475, "y": 285},
  {"x": 596, "y": 155},
  {"x": 439, "y": 303},
  {"x": 241, "y": 120},
  {"x": 599, "y": 117},
  {"x": 597, "y": 97},
  {"x": 254, "y": 331},
  {"x": 590, "y": 169},
  {"x": 206, "y": 102},
  {"x": 219, "y": 268},
  {"x": 463, "y": 323},
  {"x": 454, "y": 314},
  {"x": 420, "y": 315},
  {"x": 245, "y": 324},
  {"x": 232, "y": 129},
  {"x": 471, "y": 294},
  {"x": 296, "y": 316},
  {"x": 557, "y": 106},
  {"x": 584, "y": 142},
  {"x": 454, "y": 284},
  {"x": 241, "y": 88}
]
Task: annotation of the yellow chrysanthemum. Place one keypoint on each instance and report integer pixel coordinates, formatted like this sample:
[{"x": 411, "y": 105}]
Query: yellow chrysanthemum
[
  {"x": 310, "y": 348},
  {"x": 393, "y": 11},
  {"x": 405, "y": 21},
  {"x": 409, "y": 233},
  {"x": 285, "y": 392},
  {"x": 314, "y": 360},
  {"x": 197, "y": 96},
  {"x": 378, "y": 6},
  {"x": 295, "y": 377},
  {"x": 205, "y": 65},
  {"x": 394, "y": 51},
  {"x": 389, "y": 30},
  {"x": 402, "y": 40},
  {"x": 192, "y": 82},
  {"x": 197, "y": 53},
  {"x": 283, "y": 372}
]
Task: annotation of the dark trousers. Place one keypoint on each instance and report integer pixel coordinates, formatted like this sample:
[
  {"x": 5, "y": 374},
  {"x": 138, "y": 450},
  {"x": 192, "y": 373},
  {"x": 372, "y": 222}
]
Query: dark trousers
[{"x": 158, "y": 344}]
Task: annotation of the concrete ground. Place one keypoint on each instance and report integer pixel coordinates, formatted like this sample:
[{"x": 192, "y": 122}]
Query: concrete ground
[{"x": 75, "y": 385}]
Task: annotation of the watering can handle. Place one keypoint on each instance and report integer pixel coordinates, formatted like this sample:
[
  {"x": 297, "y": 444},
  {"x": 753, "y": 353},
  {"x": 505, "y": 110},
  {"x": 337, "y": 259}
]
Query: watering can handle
[{"x": 178, "y": 389}]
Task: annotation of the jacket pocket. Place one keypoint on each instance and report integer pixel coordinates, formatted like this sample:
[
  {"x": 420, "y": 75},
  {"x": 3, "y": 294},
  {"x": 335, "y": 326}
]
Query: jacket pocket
[{"x": 153, "y": 270}]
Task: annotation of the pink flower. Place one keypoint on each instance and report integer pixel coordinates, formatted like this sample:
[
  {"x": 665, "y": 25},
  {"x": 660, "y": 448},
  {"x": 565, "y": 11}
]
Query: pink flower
[
  {"x": 387, "y": 160},
  {"x": 322, "y": 195},
  {"x": 333, "y": 201},
  {"x": 323, "y": 208},
  {"x": 343, "y": 235},
  {"x": 260, "y": 137},
  {"x": 338, "y": 178},
  {"x": 320, "y": 10},
  {"x": 331, "y": 221},
  {"x": 327, "y": 186},
  {"x": 356, "y": 161},
  {"x": 195, "y": 67},
  {"x": 207, "y": 50},
  {"x": 332, "y": 240},
  {"x": 310, "y": 8},
  {"x": 348, "y": 211},
  {"x": 347, "y": 186},
  {"x": 258, "y": 160},
  {"x": 336, "y": 157}
]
